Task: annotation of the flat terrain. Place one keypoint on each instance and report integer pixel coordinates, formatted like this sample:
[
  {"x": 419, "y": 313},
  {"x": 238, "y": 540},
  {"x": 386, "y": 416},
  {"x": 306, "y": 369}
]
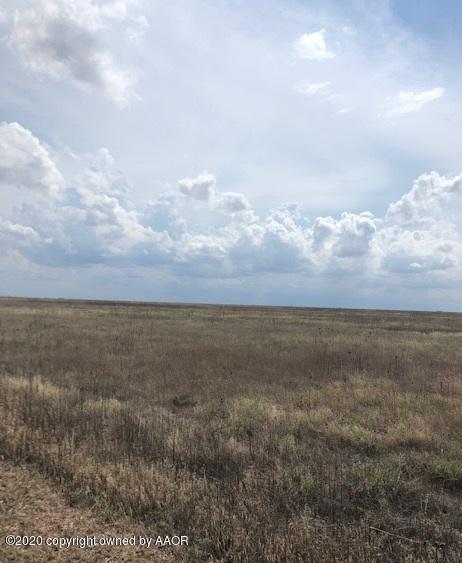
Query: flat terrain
[
  {"x": 29, "y": 505},
  {"x": 264, "y": 434}
]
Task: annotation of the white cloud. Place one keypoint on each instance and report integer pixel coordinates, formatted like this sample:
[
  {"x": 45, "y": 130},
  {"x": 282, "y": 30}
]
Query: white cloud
[
  {"x": 197, "y": 249},
  {"x": 25, "y": 163},
  {"x": 313, "y": 46},
  {"x": 94, "y": 222},
  {"x": 422, "y": 231},
  {"x": 63, "y": 39},
  {"x": 233, "y": 203},
  {"x": 163, "y": 214},
  {"x": 101, "y": 175},
  {"x": 310, "y": 87},
  {"x": 278, "y": 243},
  {"x": 425, "y": 200},
  {"x": 10, "y": 232},
  {"x": 202, "y": 187},
  {"x": 419, "y": 252},
  {"x": 350, "y": 236},
  {"x": 410, "y": 102},
  {"x": 203, "y": 190}
]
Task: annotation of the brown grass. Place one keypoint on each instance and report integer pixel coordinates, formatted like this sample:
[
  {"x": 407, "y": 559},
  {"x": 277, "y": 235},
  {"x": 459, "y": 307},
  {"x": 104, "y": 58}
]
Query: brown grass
[
  {"x": 31, "y": 506},
  {"x": 266, "y": 435}
]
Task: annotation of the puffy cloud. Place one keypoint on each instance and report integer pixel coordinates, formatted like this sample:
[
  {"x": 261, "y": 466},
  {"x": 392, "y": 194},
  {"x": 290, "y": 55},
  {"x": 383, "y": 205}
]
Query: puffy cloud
[
  {"x": 428, "y": 195},
  {"x": 354, "y": 234},
  {"x": 100, "y": 174},
  {"x": 350, "y": 236},
  {"x": 97, "y": 202},
  {"x": 410, "y": 102},
  {"x": 196, "y": 249},
  {"x": 233, "y": 203},
  {"x": 418, "y": 252},
  {"x": 279, "y": 243},
  {"x": 94, "y": 222},
  {"x": 163, "y": 215},
  {"x": 423, "y": 229},
  {"x": 90, "y": 222},
  {"x": 313, "y": 46},
  {"x": 21, "y": 234},
  {"x": 202, "y": 187},
  {"x": 63, "y": 39},
  {"x": 203, "y": 190},
  {"x": 25, "y": 163}
]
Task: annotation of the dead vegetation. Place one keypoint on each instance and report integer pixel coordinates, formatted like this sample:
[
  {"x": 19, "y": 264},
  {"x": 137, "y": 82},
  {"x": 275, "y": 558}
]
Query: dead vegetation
[
  {"x": 29, "y": 505},
  {"x": 265, "y": 435}
]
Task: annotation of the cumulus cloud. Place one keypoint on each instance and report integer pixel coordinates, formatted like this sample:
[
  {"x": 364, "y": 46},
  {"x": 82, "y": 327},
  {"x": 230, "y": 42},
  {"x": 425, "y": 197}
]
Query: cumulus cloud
[
  {"x": 425, "y": 200},
  {"x": 65, "y": 39},
  {"x": 313, "y": 46},
  {"x": 93, "y": 221},
  {"x": 419, "y": 252},
  {"x": 203, "y": 190},
  {"x": 13, "y": 232},
  {"x": 277, "y": 243},
  {"x": 349, "y": 236},
  {"x": 410, "y": 102},
  {"x": 101, "y": 175},
  {"x": 202, "y": 187},
  {"x": 422, "y": 231},
  {"x": 163, "y": 214},
  {"x": 25, "y": 163},
  {"x": 233, "y": 203}
]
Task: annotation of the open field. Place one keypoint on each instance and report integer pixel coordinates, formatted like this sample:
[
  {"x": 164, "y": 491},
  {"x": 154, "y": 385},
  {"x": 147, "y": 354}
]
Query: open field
[
  {"x": 265, "y": 435},
  {"x": 30, "y": 505}
]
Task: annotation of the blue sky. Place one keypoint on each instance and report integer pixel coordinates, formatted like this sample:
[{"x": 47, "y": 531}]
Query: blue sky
[{"x": 273, "y": 152}]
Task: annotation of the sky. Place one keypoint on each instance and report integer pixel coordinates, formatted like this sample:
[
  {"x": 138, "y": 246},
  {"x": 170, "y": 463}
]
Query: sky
[{"x": 277, "y": 152}]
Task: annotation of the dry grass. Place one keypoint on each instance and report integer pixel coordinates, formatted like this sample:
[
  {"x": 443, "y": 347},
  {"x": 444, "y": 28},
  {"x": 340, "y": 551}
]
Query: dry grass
[
  {"x": 266, "y": 435},
  {"x": 29, "y": 505}
]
